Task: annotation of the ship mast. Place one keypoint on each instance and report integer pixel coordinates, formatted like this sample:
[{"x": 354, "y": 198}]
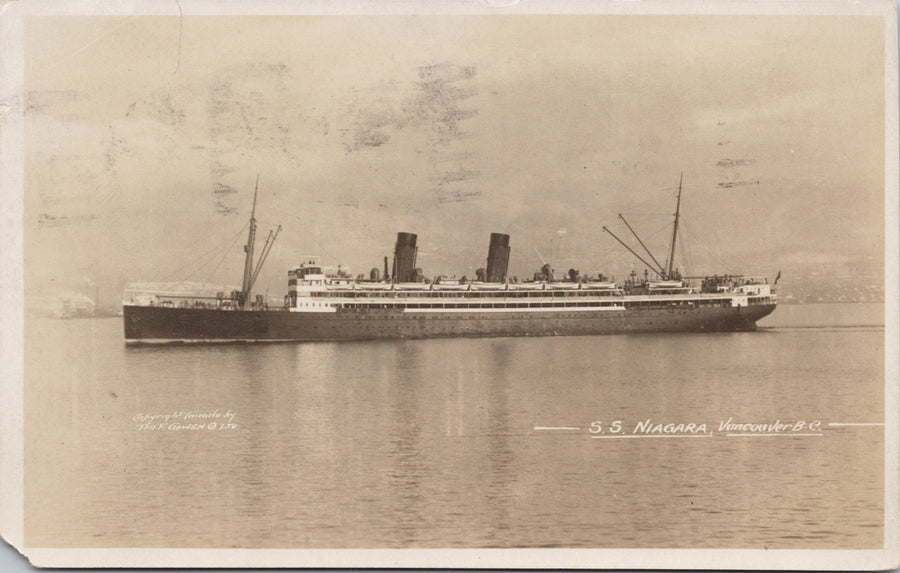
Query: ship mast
[
  {"x": 248, "y": 248},
  {"x": 675, "y": 229}
]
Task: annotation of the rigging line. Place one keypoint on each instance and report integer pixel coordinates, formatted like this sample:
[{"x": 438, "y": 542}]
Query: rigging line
[
  {"x": 706, "y": 242},
  {"x": 712, "y": 255},
  {"x": 685, "y": 252},
  {"x": 197, "y": 268},
  {"x": 716, "y": 240},
  {"x": 665, "y": 227},
  {"x": 222, "y": 260},
  {"x": 195, "y": 261}
]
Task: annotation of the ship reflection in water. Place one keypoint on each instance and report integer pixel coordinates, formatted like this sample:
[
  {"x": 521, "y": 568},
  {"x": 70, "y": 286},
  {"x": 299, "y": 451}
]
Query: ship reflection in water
[{"x": 433, "y": 443}]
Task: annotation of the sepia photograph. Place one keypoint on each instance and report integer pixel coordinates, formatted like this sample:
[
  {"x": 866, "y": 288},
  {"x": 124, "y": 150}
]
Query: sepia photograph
[{"x": 505, "y": 284}]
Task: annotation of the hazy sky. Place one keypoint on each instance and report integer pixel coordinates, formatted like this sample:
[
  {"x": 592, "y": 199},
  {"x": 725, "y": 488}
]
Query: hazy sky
[{"x": 145, "y": 135}]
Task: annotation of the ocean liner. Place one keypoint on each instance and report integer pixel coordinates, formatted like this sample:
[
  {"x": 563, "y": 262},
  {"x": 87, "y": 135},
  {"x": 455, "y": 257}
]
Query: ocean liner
[{"x": 401, "y": 303}]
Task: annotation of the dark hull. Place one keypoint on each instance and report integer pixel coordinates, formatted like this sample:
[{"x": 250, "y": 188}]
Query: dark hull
[{"x": 155, "y": 324}]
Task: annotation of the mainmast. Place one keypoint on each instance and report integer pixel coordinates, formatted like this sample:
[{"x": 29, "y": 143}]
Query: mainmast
[
  {"x": 248, "y": 248},
  {"x": 675, "y": 229}
]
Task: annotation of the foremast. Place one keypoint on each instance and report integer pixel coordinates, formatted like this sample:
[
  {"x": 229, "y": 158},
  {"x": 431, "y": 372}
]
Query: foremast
[{"x": 251, "y": 272}]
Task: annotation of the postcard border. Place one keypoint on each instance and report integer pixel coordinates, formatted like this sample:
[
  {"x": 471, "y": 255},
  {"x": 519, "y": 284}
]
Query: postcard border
[{"x": 12, "y": 15}]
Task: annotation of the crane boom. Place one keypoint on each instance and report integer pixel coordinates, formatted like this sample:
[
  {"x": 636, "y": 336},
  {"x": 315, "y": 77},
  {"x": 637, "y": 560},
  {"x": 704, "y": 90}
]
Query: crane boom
[
  {"x": 264, "y": 254},
  {"x": 633, "y": 253},
  {"x": 640, "y": 241}
]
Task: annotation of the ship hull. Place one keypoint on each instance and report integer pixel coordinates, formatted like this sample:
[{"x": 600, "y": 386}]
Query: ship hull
[{"x": 156, "y": 324}]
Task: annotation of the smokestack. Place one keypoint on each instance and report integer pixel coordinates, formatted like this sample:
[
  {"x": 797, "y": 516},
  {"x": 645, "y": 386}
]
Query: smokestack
[
  {"x": 498, "y": 258},
  {"x": 405, "y": 258}
]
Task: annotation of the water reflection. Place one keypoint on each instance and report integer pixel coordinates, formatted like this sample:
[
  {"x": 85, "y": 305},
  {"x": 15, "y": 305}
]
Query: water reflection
[
  {"x": 502, "y": 475},
  {"x": 430, "y": 443},
  {"x": 407, "y": 469}
]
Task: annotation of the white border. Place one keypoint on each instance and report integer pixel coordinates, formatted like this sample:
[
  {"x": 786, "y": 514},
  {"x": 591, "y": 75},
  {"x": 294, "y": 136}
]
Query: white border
[{"x": 13, "y": 13}]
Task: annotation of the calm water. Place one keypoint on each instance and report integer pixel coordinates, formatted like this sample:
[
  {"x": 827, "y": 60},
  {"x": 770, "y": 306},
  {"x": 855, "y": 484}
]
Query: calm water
[{"x": 439, "y": 443}]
